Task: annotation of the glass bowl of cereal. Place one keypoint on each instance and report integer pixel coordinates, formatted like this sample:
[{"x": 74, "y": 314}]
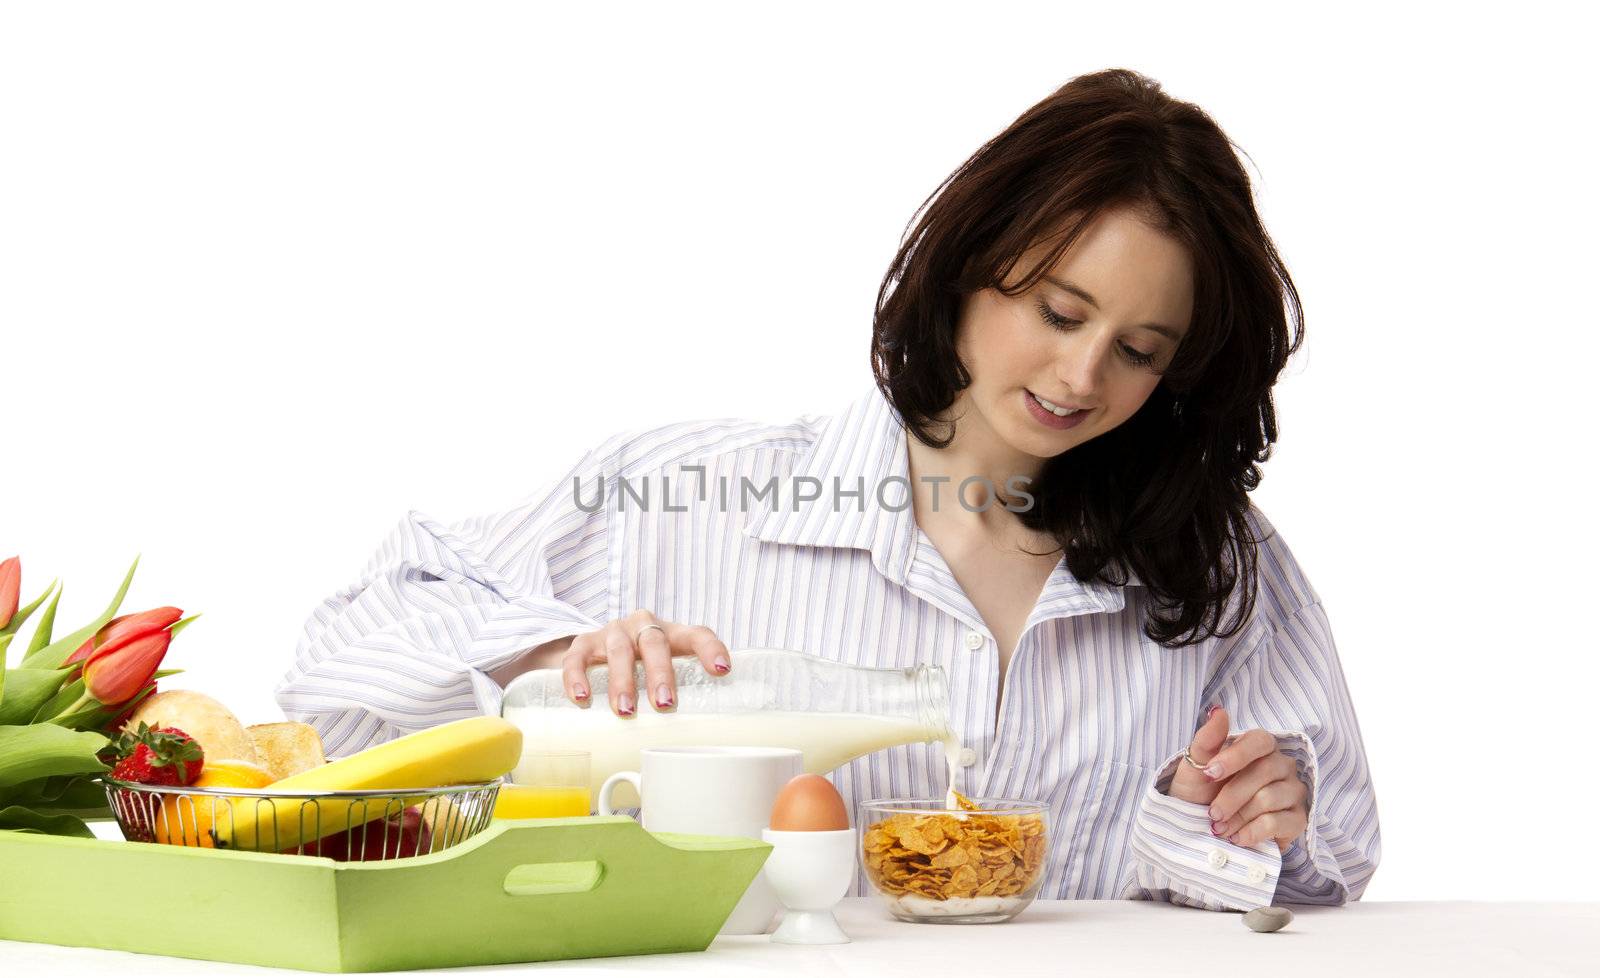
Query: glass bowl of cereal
[{"x": 979, "y": 862}]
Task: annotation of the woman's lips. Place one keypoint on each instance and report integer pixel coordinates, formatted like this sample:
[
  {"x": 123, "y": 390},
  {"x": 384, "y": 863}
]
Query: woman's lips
[{"x": 1049, "y": 418}]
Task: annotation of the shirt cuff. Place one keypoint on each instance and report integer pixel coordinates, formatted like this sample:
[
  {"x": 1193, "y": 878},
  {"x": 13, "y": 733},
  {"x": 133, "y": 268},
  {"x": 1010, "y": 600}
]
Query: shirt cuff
[
  {"x": 512, "y": 631},
  {"x": 1172, "y": 840}
]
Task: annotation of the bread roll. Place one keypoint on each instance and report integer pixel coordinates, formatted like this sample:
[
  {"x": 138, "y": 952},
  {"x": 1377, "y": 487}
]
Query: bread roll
[{"x": 219, "y": 732}]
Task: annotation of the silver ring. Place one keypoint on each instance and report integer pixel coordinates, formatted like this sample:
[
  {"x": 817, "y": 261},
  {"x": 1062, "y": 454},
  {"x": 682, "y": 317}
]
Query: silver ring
[
  {"x": 1192, "y": 762},
  {"x": 646, "y": 628}
]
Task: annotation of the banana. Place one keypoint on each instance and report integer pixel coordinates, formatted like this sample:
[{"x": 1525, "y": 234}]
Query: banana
[{"x": 462, "y": 752}]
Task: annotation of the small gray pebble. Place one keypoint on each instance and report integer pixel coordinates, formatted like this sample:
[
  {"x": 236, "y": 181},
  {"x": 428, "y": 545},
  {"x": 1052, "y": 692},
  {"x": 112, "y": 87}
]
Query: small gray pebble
[{"x": 1265, "y": 920}]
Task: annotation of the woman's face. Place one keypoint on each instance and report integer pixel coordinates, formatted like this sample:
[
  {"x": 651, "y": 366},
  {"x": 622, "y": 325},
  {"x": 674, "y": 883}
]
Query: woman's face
[{"x": 1100, "y": 348}]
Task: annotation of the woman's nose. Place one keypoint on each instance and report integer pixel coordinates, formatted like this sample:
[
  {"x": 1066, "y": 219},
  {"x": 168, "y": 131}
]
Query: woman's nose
[{"x": 1080, "y": 370}]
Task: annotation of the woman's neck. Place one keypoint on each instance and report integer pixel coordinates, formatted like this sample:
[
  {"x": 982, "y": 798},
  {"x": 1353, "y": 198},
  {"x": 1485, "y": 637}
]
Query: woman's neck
[{"x": 975, "y": 450}]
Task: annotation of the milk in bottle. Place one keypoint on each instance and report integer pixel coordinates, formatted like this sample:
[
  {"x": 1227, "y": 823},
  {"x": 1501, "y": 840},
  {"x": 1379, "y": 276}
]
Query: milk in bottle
[{"x": 831, "y": 712}]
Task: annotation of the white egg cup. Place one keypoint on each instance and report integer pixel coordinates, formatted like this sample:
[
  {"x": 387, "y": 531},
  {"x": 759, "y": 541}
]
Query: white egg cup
[{"x": 810, "y": 872}]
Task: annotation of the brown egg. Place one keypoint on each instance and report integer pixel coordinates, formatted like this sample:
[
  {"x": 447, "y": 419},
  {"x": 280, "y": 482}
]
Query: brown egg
[{"x": 809, "y": 803}]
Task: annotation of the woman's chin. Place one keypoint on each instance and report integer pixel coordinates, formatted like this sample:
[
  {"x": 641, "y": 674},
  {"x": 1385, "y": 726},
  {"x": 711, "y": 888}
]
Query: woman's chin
[
  {"x": 1033, "y": 438},
  {"x": 1038, "y": 446}
]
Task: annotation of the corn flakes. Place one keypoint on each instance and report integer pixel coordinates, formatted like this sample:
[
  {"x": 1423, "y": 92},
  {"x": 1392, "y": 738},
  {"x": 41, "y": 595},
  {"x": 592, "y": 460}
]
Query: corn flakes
[{"x": 943, "y": 856}]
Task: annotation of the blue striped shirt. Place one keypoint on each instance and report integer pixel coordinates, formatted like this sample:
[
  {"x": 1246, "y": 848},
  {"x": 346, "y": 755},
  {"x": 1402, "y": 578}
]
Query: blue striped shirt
[{"x": 1093, "y": 715}]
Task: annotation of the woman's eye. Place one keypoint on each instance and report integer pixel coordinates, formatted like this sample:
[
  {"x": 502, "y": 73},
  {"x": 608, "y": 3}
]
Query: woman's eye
[
  {"x": 1142, "y": 359},
  {"x": 1058, "y": 321},
  {"x": 1053, "y": 318}
]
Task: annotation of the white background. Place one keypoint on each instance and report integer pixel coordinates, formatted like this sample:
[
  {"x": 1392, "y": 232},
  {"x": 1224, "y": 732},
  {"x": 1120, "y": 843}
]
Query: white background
[{"x": 272, "y": 275}]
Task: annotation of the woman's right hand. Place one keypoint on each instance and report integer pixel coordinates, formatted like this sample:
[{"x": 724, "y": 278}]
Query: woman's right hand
[{"x": 618, "y": 644}]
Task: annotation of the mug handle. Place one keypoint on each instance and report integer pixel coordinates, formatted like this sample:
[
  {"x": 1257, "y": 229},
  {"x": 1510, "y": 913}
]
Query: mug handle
[{"x": 632, "y": 777}]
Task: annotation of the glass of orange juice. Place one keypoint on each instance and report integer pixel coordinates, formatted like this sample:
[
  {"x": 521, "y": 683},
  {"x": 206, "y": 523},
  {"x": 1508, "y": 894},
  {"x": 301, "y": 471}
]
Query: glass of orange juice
[{"x": 555, "y": 785}]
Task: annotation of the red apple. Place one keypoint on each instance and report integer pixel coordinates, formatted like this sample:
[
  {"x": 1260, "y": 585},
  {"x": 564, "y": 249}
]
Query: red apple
[{"x": 394, "y": 837}]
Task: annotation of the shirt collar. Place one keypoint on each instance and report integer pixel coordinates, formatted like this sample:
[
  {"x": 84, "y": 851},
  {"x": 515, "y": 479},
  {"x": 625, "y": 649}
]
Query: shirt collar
[{"x": 865, "y": 448}]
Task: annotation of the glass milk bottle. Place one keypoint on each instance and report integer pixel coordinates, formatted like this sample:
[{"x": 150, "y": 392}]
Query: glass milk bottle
[{"x": 830, "y": 711}]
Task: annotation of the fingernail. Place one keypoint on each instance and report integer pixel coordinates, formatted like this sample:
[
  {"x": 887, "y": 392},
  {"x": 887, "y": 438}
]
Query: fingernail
[
  {"x": 580, "y": 692},
  {"x": 625, "y": 704},
  {"x": 1213, "y": 771},
  {"x": 1217, "y": 827},
  {"x": 1216, "y": 814},
  {"x": 1234, "y": 838},
  {"x": 663, "y": 695},
  {"x": 1212, "y": 709},
  {"x": 720, "y": 663}
]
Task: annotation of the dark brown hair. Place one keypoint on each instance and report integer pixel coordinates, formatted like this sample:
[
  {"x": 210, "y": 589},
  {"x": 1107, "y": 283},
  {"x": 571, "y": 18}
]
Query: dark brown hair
[{"x": 1164, "y": 493}]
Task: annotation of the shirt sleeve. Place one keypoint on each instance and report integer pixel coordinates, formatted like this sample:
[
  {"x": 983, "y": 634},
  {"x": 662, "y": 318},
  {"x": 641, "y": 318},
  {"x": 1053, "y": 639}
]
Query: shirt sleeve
[
  {"x": 409, "y": 644},
  {"x": 1291, "y": 685}
]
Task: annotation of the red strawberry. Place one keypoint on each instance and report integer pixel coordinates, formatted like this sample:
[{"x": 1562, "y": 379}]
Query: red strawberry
[{"x": 166, "y": 756}]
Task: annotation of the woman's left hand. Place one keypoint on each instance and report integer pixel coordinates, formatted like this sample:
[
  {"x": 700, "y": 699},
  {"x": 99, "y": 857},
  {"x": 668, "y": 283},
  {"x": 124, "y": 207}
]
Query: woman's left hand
[{"x": 1261, "y": 795}]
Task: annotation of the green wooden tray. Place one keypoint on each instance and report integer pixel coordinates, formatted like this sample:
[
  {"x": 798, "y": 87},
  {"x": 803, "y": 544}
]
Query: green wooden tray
[{"x": 524, "y": 890}]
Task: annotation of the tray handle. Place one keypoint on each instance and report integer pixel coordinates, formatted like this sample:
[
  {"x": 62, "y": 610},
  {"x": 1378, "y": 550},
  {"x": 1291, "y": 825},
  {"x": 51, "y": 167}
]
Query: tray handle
[{"x": 543, "y": 879}]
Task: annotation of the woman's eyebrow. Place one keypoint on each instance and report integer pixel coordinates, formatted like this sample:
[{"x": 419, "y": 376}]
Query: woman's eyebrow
[{"x": 1066, "y": 286}]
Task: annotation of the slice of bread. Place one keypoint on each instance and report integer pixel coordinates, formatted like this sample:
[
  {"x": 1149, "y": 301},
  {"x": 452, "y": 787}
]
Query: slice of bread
[{"x": 286, "y": 748}]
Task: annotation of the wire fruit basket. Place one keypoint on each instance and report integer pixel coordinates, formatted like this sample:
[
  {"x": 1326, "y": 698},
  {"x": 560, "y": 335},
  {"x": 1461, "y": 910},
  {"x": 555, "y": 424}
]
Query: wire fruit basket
[{"x": 365, "y": 826}]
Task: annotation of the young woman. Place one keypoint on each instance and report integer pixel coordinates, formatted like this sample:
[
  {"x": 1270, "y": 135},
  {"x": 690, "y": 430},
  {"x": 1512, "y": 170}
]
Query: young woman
[{"x": 1073, "y": 354}]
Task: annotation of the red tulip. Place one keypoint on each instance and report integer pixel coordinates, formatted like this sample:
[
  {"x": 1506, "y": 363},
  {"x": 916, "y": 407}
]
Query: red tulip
[
  {"x": 115, "y": 674},
  {"x": 10, "y": 584},
  {"x": 121, "y": 630}
]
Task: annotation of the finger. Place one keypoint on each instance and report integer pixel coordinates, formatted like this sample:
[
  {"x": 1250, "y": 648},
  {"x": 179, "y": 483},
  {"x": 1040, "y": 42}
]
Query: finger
[
  {"x": 1210, "y": 737},
  {"x": 574, "y": 663},
  {"x": 657, "y": 657},
  {"x": 1246, "y": 782},
  {"x": 1277, "y": 796},
  {"x": 703, "y": 644},
  {"x": 619, "y": 654},
  {"x": 1188, "y": 784},
  {"x": 1250, "y": 745},
  {"x": 1284, "y": 826}
]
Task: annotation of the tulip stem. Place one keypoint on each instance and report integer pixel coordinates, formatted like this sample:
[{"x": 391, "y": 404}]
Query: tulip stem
[{"x": 83, "y": 701}]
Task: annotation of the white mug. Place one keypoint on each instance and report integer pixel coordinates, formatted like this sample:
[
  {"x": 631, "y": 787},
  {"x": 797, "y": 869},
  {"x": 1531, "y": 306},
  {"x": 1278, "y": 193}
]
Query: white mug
[{"x": 713, "y": 791}]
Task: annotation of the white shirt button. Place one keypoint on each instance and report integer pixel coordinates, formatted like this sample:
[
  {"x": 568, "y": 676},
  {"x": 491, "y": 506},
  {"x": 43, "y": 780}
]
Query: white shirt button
[
  {"x": 1218, "y": 859},
  {"x": 975, "y": 640},
  {"x": 968, "y": 757},
  {"x": 1257, "y": 874}
]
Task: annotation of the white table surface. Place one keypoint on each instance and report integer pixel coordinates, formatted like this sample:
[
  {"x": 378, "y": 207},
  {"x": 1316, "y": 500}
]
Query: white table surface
[{"x": 1061, "y": 937}]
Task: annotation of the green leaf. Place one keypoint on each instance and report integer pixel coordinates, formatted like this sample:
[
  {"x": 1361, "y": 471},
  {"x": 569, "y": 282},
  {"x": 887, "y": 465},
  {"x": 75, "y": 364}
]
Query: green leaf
[
  {"x": 22, "y": 613},
  {"x": 54, "y": 654},
  {"x": 70, "y": 693},
  {"x": 26, "y": 690},
  {"x": 47, "y": 624},
  {"x": 91, "y": 717},
  {"x": 82, "y": 795},
  {"x": 46, "y": 750},
  {"x": 164, "y": 673},
  {"x": 179, "y": 626},
  {"x": 19, "y": 819}
]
